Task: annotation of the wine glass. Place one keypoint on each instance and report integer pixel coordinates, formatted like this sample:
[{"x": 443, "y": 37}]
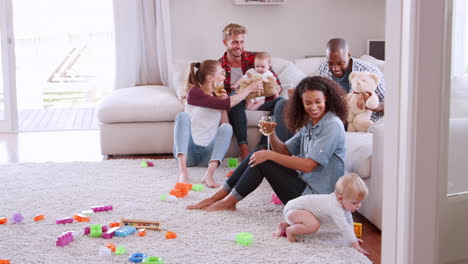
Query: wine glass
[
  {"x": 218, "y": 88},
  {"x": 267, "y": 126}
]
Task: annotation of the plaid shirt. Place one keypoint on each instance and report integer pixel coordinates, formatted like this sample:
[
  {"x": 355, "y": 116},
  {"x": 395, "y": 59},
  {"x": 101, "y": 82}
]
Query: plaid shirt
[
  {"x": 360, "y": 66},
  {"x": 247, "y": 59}
]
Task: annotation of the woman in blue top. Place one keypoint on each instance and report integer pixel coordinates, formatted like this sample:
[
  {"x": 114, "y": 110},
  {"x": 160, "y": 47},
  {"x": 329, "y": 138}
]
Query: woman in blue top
[{"x": 309, "y": 162}]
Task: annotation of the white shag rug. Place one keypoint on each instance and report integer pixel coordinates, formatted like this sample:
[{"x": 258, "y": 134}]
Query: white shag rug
[{"x": 60, "y": 190}]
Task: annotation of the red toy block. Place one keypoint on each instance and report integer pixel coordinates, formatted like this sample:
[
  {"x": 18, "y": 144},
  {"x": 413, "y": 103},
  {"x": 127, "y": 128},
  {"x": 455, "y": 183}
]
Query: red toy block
[
  {"x": 170, "y": 235},
  {"x": 4, "y": 261},
  {"x": 142, "y": 232},
  {"x": 181, "y": 189},
  {"x": 111, "y": 246},
  {"x": 81, "y": 218},
  {"x": 3, "y": 220},
  {"x": 114, "y": 224},
  {"x": 39, "y": 217}
]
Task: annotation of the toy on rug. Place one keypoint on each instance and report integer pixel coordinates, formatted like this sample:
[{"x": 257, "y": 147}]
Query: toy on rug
[
  {"x": 104, "y": 251},
  {"x": 111, "y": 246},
  {"x": 120, "y": 250},
  {"x": 102, "y": 208},
  {"x": 167, "y": 198},
  {"x": 232, "y": 163},
  {"x": 142, "y": 232},
  {"x": 153, "y": 260},
  {"x": 125, "y": 231},
  {"x": 66, "y": 220},
  {"x": 114, "y": 224},
  {"x": 150, "y": 225},
  {"x": 4, "y": 261},
  {"x": 110, "y": 233},
  {"x": 242, "y": 238},
  {"x": 145, "y": 164},
  {"x": 96, "y": 228},
  {"x": 39, "y": 217},
  {"x": 64, "y": 239},
  {"x": 137, "y": 257},
  {"x": 361, "y": 98},
  {"x": 181, "y": 189},
  {"x": 229, "y": 174},
  {"x": 87, "y": 212},
  {"x": 18, "y": 218},
  {"x": 275, "y": 199},
  {"x": 3, "y": 220},
  {"x": 358, "y": 229},
  {"x": 198, "y": 187},
  {"x": 170, "y": 235},
  {"x": 81, "y": 218}
]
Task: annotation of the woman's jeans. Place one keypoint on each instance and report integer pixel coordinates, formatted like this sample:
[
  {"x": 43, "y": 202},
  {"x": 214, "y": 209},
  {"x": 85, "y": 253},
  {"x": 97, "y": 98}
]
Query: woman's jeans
[
  {"x": 284, "y": 181},
  {"x": 199, "y": 155},
  {"x": 238, "y": 120}
]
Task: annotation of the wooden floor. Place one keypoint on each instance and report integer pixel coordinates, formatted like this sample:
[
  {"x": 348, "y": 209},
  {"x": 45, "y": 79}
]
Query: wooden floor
[
  {"x": 84, "y": 146},
  {"x": 57, "y": 119}
]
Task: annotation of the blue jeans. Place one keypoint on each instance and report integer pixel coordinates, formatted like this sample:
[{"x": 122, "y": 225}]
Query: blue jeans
[
  {"x": 199, "y": 155},
  {"x": 281, "y": 129},
  {"x": 238, "y": 120}
]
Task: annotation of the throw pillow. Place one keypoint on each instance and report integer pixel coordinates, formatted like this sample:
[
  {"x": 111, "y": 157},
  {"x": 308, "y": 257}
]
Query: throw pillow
[
  {"x": 309, "y": 66},
  {"x": 181, "y": 70},
  {"x": 376, "y": 62},
  {"x": 290, "y": 77},
  {"x": 358, "y": 153}
]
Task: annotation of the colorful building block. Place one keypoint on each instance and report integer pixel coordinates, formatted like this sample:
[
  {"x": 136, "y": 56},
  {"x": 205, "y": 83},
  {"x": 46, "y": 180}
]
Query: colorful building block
[
  {"x": 102, "y": 208},
  {"x": 95, "y": 230},
  {"x": 358, "y": 229},
  {"x": 67, "y": 220},
  {"x": 3, "y": 220},
  {"x": 111, "y": 246},
  {"x": 81, "y": 218},
  {"x": 120, "y": 250},
  {"x": 39, "y": 217},
  {"x": 142, "y": 232},
  {"x": 125, "y": 231},
  {"x": 181, "y": 189},
  {"x": 244, "y": 238},
  {"x": 136, "y": 257},
  {"x": 64, "y": 239},
  {"x": 17, "y": 218},
  {"x": 275, "y": 199},
  {"x": 229, "y": 174},
  {"x": 110, "y": 233},
  {"x": 167, "y": 198},
  {"x": 170, "y": 235},
  {"x": 153, "y": 260},
  {"x": 232, "y": 163},
  {"x": 198, "y": 187},
  {"x": 114, "y": 224},
  {"x": 145, "y": 164},
  {"x": 4, "y": 261}
]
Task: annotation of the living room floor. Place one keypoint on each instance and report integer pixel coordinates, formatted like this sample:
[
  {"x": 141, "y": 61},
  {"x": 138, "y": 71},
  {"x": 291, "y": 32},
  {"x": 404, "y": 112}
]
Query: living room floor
[{"x": 67, "y": 146}]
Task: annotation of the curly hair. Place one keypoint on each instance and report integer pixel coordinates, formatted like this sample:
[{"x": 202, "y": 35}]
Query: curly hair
[
  {"x": 295, "y": 114},
  {"x": 233, "y": 29}
]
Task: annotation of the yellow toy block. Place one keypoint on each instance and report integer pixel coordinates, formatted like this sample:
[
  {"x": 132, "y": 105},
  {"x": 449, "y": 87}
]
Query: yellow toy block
[{"x": 358, "y": 229}]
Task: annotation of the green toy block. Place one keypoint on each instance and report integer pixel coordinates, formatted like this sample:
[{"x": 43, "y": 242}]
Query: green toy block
[
  {"x": 153, "y": 260},
  {"x": 198, "y": 187},
  {"x": 244, "y": 238},
  {"x": 232, "y": 163},
  {"x": 120, "y": 250},
  {"x": 143, "y": 164},
  {"x": 95, "y": 230}
]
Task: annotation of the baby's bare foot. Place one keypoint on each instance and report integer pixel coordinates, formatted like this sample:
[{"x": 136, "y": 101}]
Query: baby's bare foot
[
  {"x": 281, "y": 229},
  {"x": 291, "y": 237}
]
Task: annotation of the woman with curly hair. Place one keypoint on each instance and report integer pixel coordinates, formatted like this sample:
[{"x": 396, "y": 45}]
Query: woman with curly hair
[{"x": 308, "y": 163}]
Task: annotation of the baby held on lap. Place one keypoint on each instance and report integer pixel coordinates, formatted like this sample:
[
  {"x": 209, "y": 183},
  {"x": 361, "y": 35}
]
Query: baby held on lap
[{"x": 305, "y": 214}]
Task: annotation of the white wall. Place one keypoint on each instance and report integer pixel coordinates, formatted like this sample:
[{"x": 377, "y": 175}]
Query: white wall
[{"x": 290, "y": 31}]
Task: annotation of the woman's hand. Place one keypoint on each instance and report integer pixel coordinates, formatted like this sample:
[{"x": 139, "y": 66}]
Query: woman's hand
[
  {"x": 255, "y": 87},
  {"x": 359, "y": 248},
  {"x": 259, "y": 157}
]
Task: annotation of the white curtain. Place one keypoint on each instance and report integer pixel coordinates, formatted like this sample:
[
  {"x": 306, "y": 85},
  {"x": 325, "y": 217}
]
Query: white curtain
[{"x": 143, "y": 42}]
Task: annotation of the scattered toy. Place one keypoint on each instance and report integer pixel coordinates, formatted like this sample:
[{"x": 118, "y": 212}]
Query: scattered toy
[
  {"x": 114, "y": 224},
  {"x": 145, "y": 164},
  {"x": 64, "y": 239},
  {"x": 242, "y": 238},
  {"x": 153, "y": 260},
  {"x": 111, "y": 246},
  {"x": 81, "y": 218},
  {"x": 151, "y": 225},
  {"x": 104, "y": 251},
  {"x": 3, "y": 220},
  {"x": 39, "y": 217},
  {"x": 167, "y": 198},
  {"x": 102, "y": 208},
  {"x": 142, "y": 232},
  {"x": 66, "y": 220},
  {"x": 170, "y": 235},
  {"x": 4, "y": 261},
  {"x": 181, "y": 189},
  {"x": 229, "y": 174},
  {"x": 124, "y": 231},
  {"x": 110, "y": 233},
  {"x": 18, "y": 218},
  {"x": 198, "y": 187},
  {"x": 358, "y": 229},
  {"x": 232, "y": 163},
  {"x": 137, "y": 257},
  {"x": 275, "y": 199},
  {"x": 87, "y": 212},
  {"x": 120, "y": 250}
]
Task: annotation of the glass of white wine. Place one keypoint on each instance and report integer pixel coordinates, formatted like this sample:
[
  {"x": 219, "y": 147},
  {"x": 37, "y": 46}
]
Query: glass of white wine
[
  {"x": 267, "y": 126},
  {"x": 218, "y": 88}
]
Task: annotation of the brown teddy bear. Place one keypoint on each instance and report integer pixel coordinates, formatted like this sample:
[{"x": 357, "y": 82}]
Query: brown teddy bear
[
  {"x": 361, "y": 98},
  {"x": 269, "y": 86}
]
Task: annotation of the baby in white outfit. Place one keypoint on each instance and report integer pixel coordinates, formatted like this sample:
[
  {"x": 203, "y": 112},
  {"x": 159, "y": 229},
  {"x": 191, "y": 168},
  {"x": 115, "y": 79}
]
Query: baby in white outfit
[{"x": 305, "y": 214}]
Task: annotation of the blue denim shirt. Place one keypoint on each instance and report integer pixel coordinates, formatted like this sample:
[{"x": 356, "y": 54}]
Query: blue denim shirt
[{"x": 325, "y": 144}]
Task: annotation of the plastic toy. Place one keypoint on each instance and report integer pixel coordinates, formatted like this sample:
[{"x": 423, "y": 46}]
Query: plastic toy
[
  {"x": 111, "y": 246},
  {"x": 358, "y": 229},
  {"x": 137, "y": 257},
  {"x": 87, "y": 212},
  {"x": 64, "y": 239},
  {"x": 104, "y": 251},
  {"x": 4, "y": 261},
  {"x": 114, "y": 224},
  {"x": 39, "y": 217},
  {"x": 181, "y": 189},
  {"x": 198, "y": 187},
  {"x": 150, "y": 225},
  {"x": 145, "y": 164},
  {"x": 142, "y": 232},
  {"x": 275, "y": 199},
  {"x": 66, "y": 220},
  {"x": 81, "y": 218},
  {"x": 95, "y": 230},
  {"x": 120, "y": 250},
  {"x": 87, "y": 230},
  {"x": 153, "y": 260},
  {"x": 170, "y": 235},
  {"x": 18, "y": 218},
  {"x": 167, "y": 198},
  {"x": 229, "y": 174},
  {"x": 232, "y": 163},
  {"x": 110, "y": 233},
  {"x": 125, "y": 231},
  {"x": 3, "y": 220},
  {"x": 102, "y": 208},
  {"x": 244, "y": 238}
]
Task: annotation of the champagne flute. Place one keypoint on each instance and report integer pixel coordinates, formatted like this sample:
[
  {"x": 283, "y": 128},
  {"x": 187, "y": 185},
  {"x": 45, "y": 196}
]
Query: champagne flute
[{"x": 267, "y": 126}]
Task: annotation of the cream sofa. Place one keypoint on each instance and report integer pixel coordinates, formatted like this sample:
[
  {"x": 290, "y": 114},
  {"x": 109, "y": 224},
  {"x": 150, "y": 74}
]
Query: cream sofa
[{"x": 140, "y": 120}]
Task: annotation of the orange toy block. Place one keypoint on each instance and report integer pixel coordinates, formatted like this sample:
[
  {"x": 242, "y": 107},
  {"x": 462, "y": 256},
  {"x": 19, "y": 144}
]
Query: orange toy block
[
  {"x": 3, "y": 220},
  {"x": 181, "y": 189},
  {"x": 39, "y": 217},
  {"x": 230, "y": 174},
  {"x": 111, "y": 246},
  {"x": 170, "y": 235},
  {"x": 4, "y": 261},
  {"x": 358, "y": 229},
  {"x": 142, "y": 232},
  {"x": 114, "y": 224},
  {"x": 81, "y": 218}
]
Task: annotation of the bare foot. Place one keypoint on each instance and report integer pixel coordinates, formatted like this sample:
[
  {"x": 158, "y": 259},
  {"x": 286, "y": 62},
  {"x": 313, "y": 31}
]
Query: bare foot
[
  {"x": 202, "y": 204},
  {"x": 291, "y": 237},
  {"x": 210, "y": 182},
  {"x": 281, "y": 229},
  {"x": 184, "y": 178},
  {"x": 221, "y": 205}
]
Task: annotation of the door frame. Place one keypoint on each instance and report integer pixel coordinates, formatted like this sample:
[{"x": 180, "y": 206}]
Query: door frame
[{"x": 10, "y": 122}]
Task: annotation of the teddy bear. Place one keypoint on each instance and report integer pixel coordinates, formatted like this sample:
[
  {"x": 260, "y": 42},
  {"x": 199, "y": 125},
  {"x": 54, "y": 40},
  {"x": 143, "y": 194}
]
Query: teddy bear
[
  {"x": 269, "y": 86},
  {"x": 363, "y": 85}
]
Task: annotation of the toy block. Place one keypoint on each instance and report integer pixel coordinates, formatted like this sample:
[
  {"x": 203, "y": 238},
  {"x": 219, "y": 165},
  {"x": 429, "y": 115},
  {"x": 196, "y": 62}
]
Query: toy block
[
  {"x": 358, "y": 229},
  {"x": 181, "y": 189},
  {"x": 18, "y": 218},
  {"x": 275, "y": 199},
  {"x": 3, "y": 220},
  {"x": 102, "y": 208},
  {"x": 142, "y": 232},
  {"x": 170, "y": 235},
  {"x": 110, "y": 233},
  {"x": 125, "y": 231},
  {"x": 244, "y": 238},
  {"x": 150, "y": 225},
  {"x": 120, "y": 250},
  {"x": 87, "y": 230},
  {"x": 81, "y": 218},
  {"x": 39, "y": 217},
  {"x": 4, "y": 261},
  {"x": 150, "y": 164},
  {"x": 111, "y": 246},
  {"x": 153, "y": 260},
  {"x": 232, "y": 163},
  {"x": 95, "y": 230},
  {"x": 229, "y": 174},
  {"x": 167, "y": 198},
  {"x": 87, "y": 212},
  {"x": 114, "y": 224},
  {"x": 198, "y": 187},
  {"x": 137, "y": 257},
  {"x": 67, "y": 220},
  {"x": 64, "y": 239}
]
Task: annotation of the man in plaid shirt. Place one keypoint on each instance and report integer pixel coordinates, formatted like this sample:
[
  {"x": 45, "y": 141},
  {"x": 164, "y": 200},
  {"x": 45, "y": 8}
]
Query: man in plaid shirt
[
  {"x": 339, "y": 64},
  {"x": 236, "y": 62}
]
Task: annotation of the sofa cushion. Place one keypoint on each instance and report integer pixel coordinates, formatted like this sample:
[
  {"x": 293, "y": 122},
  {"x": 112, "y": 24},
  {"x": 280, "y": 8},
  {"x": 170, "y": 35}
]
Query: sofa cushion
[
  {"x": 290, "y": 77},
  {"x": 358, "y": 153},
  {"x": 150, "y": 103},
  {"x": 376, "y": 62},
  {"x": 309, "y": 66},
  {"x": 180, "y": 72},
  {"x": 278, "y": 64}
]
